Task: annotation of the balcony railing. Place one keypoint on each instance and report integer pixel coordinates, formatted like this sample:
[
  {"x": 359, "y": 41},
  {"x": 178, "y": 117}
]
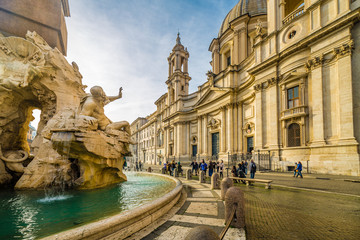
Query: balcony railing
[
  {"x": 296, "y": 111},
  {"x": 298, "y": 12}
]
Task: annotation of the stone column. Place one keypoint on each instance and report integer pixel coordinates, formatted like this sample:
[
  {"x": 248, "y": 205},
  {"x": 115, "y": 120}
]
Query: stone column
[
  {"x": 199, "y": 135},
  {"x": 216, "y": 63},
  {"x": 282, "y": 11},
  {"x": 235, "y": 55},
  {"x": 317, "y": 114},
  {"x": 189, "y": 149},
  {"x": 243, "y": 44},
  {"x": 223, "y": 131},
  {"x": 230, "y": 128},
  {"x": 258, "y": 118},
  {"x": 175, "y": 140},
  {"x": 274, "y": 117},
  {"x": 235, "y": 127},
  {"x": 185, "y": 70},
  {"x": 205, "y": 135},
  {"x": 167, "y": 140},
  {"x": 239, "y": 127},
  {"x": 170, "y": 68},
  {"x": 346, "y": 124}
]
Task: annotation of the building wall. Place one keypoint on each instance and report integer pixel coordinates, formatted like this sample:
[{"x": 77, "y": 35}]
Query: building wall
[
  {"x": 258, "y": 64},
  {"x": 43, "y": 16}
]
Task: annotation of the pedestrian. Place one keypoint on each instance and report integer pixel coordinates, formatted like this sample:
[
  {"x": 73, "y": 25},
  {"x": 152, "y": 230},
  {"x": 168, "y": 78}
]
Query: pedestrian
[
  {"x": 192, "y": 164},
  {"x": 295, "y": 171},
  {"x": 211, "y": 168},
  {"x": 196, "y": 168},
  {"x": 165, "y": 166},
  {"x": 221, "y": 168},
  {"x": 246, "y": 167},
  {"x": 168, "y": 166},
  {"x": 252, "y": 169},
  {"x": 137, "y": 166},
  {"x": 217, "y": 166},
  {"x": 140, "y": 166},
  {"x": 299, "y": 169},
  {"x": 179, "y": 169},
  {"x": 203, "y": 166},
  {"x": 234, "y": 173},
  {"x": 173, "y": 166}
]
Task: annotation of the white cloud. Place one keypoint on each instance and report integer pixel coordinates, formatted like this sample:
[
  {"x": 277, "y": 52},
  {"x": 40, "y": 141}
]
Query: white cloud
[{"x": 126, "y": 44}]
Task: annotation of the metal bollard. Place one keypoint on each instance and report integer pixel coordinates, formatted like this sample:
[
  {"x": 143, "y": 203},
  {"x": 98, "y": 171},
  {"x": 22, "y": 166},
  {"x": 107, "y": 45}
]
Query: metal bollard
[
  {"x": 226, "y": 183},
  {"x": 215, "y": 183}
]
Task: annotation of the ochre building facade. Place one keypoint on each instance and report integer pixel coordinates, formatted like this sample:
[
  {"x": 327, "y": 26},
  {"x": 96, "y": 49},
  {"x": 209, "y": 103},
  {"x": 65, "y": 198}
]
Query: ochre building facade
[{"x": 284, "y": 81}]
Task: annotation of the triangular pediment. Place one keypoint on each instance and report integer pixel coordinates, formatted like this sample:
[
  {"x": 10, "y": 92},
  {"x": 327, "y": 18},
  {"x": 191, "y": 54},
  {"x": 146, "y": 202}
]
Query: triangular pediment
[{"x": 211, "y": 95}]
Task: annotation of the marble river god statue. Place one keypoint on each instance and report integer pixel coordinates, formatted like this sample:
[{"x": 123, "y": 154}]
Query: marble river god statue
[{"x": 77, "y": 146}]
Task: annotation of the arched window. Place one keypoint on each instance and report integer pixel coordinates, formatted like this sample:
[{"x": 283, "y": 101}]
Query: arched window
[{"x": 294, "y": 135}]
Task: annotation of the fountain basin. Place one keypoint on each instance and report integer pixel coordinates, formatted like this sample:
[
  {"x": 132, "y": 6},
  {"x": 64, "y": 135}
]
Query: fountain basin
[{"x": 123, "y": 212}]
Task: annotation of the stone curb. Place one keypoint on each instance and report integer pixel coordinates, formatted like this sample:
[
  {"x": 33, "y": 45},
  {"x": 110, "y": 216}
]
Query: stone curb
[{"x": 126, "y": 223}]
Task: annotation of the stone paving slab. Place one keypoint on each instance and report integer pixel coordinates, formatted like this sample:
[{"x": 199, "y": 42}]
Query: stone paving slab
[
  {"x": 199, "y": 220},
  {"x": 203, "y": 208}
]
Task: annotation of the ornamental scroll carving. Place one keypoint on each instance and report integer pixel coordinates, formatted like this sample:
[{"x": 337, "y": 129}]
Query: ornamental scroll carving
[{"x": 214, "y": 123}]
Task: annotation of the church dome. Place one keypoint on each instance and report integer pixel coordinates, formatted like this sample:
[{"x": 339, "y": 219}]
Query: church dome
[{"x": 243, "y": 7}]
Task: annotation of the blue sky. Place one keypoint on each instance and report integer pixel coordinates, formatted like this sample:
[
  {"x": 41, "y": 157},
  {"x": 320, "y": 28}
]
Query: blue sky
[{"x": 126, "y": 44}]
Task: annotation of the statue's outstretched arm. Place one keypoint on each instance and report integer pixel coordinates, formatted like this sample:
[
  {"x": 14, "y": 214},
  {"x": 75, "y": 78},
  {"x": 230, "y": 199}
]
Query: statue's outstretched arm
[{"x": 113, "y": 98}]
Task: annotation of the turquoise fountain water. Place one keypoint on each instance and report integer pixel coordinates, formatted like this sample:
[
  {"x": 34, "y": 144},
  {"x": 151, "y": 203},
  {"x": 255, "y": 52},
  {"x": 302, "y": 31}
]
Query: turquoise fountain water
[{"x": 30, "y": 215}]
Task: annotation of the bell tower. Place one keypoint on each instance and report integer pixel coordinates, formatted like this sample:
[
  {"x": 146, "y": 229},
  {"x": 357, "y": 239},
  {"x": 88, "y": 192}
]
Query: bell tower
[{"x": 178, "y": 80}]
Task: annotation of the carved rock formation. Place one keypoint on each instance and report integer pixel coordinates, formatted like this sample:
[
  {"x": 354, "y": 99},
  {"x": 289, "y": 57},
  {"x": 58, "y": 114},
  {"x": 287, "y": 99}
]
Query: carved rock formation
[{"x": 68, "y": 149}]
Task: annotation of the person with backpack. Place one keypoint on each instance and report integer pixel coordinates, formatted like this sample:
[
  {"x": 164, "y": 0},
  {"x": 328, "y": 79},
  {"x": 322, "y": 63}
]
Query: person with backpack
[{"x": 252, "y": 169}]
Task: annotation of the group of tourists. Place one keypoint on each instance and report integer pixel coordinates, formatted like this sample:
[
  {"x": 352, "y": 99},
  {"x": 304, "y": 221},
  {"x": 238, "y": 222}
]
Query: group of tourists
[
  {"x": 242, "y": 170},
  {"x": 170, "y": 168},
  {"x": 212, "y": 166}
]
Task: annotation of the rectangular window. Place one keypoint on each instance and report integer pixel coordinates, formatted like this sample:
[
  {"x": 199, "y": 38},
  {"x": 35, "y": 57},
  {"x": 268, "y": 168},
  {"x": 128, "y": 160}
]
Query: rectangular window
[
  {"x": 293, "y": 99},
  {"x": 228, "y": 61},
  {"x": 170, "y": 149}
]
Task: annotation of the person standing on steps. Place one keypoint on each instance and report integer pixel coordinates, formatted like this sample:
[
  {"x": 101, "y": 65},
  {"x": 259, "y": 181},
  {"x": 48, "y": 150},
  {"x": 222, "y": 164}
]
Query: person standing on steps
[{"x": 252, "y": 169}]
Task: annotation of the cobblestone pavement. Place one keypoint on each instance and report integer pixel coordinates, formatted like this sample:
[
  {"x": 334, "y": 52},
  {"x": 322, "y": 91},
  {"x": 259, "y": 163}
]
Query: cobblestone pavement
[
  {"x": 202, "y": 207},
  {"x": 315, "y": 207}
]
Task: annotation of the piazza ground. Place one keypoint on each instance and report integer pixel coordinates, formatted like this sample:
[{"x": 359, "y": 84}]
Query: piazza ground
[{"x": 315, "y": 207}]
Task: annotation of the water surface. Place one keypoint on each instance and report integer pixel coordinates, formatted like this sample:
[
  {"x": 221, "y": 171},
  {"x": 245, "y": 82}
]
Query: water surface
[{"x": 30, "y": 215}]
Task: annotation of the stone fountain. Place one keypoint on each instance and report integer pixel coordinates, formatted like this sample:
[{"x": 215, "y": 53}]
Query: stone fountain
[{"x": 77, "y": 146}]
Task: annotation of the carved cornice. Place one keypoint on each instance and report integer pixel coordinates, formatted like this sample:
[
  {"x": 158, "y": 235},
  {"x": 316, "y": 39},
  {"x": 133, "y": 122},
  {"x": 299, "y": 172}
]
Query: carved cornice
[
  {"x": 344, "y": 50},
  {"x": 337, "y": 53},
  {"x": 314, "y": 63},
  {"x": 266, "y": 84}
]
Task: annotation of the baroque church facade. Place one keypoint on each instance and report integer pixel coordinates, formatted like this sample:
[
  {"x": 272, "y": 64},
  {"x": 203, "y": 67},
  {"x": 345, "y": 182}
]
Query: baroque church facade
[{"x": 284, "y": 81}]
